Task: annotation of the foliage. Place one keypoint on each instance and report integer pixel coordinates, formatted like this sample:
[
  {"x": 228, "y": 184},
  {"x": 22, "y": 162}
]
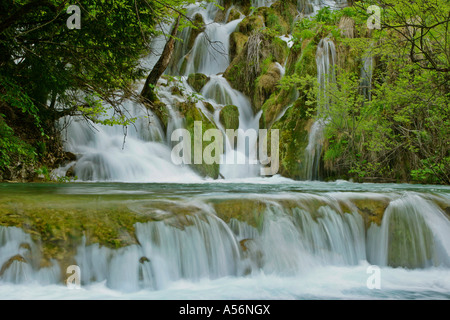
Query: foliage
[
  {"x": 401, "y": 132},
  {"x": 12, "y": 149},
  {"x": 48, "y": 71}
]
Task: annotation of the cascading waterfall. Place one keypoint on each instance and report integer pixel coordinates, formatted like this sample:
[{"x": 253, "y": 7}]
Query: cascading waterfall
[
  {"x": 239, "y": 160},
  {"x": 104, "y": 154},
  {"x": 286, "y": 241},
  {"x": 366, "y": 76},
  {"x": 326, "y": 61},
  {"x": 417, "y": 228},
  {"x": 115, "y": 154},
  {"x": 112, "y": 154}
]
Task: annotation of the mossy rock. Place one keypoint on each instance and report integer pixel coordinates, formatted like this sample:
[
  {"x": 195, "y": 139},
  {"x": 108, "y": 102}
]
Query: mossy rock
[
  {"x": 243, "y": 6},
  {"x": 250, "y": 211},
  {"x": 234, "y": 15},
  {"x": 251, "y": 24},
  {"x": 200, "y": 26},
  {"x": 160, "y": 111},
  {"x": 275, "y": 105},
  {"x": 59, "y": 223},
  {"x": 237, "y": 43},
  {"x": 371, "y": 209},
  {"x": 229, "y": 117},
  {"x": 191, "y": 114},
  {"x": 293, "y": 129},
  {"x": 273, "y": 20},
  {"x": 246, "y": 67},
  {"x": 287, "y": 11},
  {"x": 266, "y": 84},
  {"x": 306, "y": 63},
  {"x": 209, "y": 107},
  {"x": 197, "y": 81}
]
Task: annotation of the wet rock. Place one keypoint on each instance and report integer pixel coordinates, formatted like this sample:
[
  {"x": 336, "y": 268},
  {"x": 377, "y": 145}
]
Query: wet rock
[
  {"x": 250, "y": 24},
  {"x": 267, "y": 83},
  {"x": 237, "y": 43},
  {"x": 144, "y": 259},
  {"x": 70, "y": 173},
  {"x": 234, "y": 15},
  {"x": 209, "y": 107},
  {"x": 250, "y": 211},
  {"x": 229, "y": 117},
  {"x": 258, "y": 53},
  {"x": 10, "y": 261},
  {"x": 197, "y": 81},
  {"x": 372, "y": 209}
]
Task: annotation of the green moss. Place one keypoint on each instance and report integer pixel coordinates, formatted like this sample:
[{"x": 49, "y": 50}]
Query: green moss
[
  {"x": 160, "y": 110},
  {"x": 191, "y": 115},
  {"x": 59, "y": 223},
  {"x": 250, "y": 211},
  {"x": 266, "y": 83},
  {"x": 229, "y": 117},
  {"x": 293, "y": 139},
  {"x": 245, "y": 75},
  {"x": 251, "y": 24},
  {"x": 306, "y": 63},
  {"x": 237, "y": 43},
  {"x": 197, "y": 81}
]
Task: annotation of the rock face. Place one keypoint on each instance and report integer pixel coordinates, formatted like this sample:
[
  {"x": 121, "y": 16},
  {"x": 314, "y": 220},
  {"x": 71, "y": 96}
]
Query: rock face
[
  {"x": 237, "y": 43},
  {"x": 255, "y": 60},
  {"x": 191, "y": 114},
  {"x": 229, "y": 117},
  {"x": 197, "y": 81}
]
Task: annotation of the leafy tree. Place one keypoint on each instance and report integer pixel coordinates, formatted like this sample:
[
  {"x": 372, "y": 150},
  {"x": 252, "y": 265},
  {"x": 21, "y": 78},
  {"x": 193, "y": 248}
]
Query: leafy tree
[
  {"x": 422, "y": 26},
  {"x": 49, "y": 71},
  {"x": 402, "y": 131}
]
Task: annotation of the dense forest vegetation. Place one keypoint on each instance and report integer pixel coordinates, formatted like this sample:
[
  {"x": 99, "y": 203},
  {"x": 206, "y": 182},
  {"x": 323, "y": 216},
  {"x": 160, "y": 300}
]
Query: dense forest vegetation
[{"x": 397, "y": 130}]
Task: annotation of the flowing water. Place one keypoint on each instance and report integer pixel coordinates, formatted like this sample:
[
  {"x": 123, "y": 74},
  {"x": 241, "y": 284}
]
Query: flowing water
[{"x": 255, "y": 239}]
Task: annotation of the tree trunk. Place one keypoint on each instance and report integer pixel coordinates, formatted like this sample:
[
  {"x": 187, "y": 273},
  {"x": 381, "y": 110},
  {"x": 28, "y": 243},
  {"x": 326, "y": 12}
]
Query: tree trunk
[{"x": 160, "y": 66}]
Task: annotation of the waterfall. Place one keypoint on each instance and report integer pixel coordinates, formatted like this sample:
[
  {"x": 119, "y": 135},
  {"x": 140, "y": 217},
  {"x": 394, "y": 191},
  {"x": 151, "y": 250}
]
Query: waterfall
[
  {"x": 111, "y": 154},
  {"x": 412, "y": 235},
  {"x": 297, "y": 233},
  {"x": 326, "y": 61},
  {"x": 141, "y": 152}
]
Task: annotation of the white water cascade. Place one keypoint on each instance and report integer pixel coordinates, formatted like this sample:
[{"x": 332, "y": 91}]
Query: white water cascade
[
  {"x": 290, "y": 241},
  {"x": 142, "y": 152},
  {"x": 326, "y": 61}
]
